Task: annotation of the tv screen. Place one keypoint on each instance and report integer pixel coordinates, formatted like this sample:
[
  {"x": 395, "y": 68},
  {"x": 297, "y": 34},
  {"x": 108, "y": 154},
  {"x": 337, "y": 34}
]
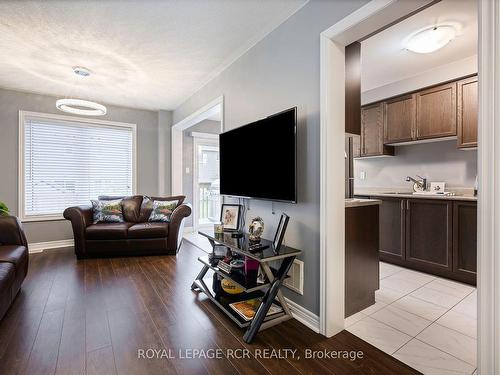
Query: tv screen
[{"x": 258, "y": 160}]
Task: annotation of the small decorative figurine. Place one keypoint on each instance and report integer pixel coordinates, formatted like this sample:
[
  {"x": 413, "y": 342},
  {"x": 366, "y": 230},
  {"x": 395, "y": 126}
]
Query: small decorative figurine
[{"x": 256, "y": 229}]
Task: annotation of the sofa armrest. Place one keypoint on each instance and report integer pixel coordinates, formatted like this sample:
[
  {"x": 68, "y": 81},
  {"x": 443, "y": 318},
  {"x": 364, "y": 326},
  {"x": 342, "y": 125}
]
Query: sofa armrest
[
  {"x": 176, "y": 227},
  {"x": 11, "y": 231},
  {"x": 81, "y": 218}
]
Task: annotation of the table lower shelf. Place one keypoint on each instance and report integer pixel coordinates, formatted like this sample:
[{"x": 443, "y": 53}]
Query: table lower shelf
[{"x": 223, "y": 302}]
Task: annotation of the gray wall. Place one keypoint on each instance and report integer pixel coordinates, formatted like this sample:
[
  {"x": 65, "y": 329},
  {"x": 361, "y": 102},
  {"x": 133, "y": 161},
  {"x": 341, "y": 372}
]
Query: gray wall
[
  {"x": 164, "y": 151},
  {"x": 13, "y": 101},
  {"x": 205, "y": 126},
  {"x": 438, "y": 161},
  {"x": 280, "y": 72}
]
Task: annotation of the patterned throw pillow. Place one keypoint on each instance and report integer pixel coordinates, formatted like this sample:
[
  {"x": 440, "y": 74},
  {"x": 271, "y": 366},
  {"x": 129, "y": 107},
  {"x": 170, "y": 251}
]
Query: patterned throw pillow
[
  {"x": 107, "y": 211},
  {"x": 162, "y": 210}
]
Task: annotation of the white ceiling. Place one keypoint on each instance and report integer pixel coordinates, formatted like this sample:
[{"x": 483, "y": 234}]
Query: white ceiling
[
  {"x": 144, "y": 54},
  {"x": 384, "y": 60}
]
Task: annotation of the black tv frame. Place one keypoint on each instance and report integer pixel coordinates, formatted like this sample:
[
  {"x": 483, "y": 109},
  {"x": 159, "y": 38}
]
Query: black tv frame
[{"x": 295, "y": 160}]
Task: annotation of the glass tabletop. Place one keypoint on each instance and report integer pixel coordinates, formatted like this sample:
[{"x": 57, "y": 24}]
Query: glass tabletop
[{"x": 264, "y": 252}]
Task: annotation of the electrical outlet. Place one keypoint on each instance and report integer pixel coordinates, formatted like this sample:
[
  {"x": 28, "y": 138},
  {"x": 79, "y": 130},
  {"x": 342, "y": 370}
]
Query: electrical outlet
[{"x": 362, "y": 175}]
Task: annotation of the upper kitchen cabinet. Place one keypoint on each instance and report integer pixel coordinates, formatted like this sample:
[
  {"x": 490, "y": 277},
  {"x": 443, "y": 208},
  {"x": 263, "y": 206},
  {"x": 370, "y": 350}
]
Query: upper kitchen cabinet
[
  {"x": 436, "y": 112},
  {"x": 467, "y": 112},
  {"x": 372, "y": 131},
  {"x": 399, "y": 119},
  {"x": 353, "y": 88}
]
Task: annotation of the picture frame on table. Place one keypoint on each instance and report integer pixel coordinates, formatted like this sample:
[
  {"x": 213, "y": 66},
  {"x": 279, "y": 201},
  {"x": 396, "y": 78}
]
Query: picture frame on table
[
  {"x": 230, "y": 216},
  {"x": 280, "y": 232}
]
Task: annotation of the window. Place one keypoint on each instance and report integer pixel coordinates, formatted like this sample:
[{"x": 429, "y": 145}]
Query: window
[{"x": 67, "y": 161}]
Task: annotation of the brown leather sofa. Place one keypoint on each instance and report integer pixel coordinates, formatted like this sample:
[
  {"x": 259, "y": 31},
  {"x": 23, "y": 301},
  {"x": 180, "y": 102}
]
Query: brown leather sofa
[
  {"x": 135, "y": 236},
  {"x": 13, "y": 260}
]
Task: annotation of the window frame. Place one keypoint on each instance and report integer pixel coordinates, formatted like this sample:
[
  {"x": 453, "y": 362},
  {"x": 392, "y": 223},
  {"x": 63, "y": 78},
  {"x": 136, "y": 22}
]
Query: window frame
[{"x": 22, "y": 163}]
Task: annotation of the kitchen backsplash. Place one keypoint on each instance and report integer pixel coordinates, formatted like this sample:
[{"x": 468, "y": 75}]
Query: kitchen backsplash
[{"x": 437, "y": 161}]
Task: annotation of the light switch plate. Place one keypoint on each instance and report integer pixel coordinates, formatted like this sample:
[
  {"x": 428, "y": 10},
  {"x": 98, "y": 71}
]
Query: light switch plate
[{"x": 362, "y": 175}]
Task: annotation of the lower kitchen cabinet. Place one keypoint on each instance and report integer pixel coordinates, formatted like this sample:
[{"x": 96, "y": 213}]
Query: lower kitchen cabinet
[
  {"x": 465, "y": 240},
  {"x": 429, "y": 229},
  {"x": 435, "y": 236},
  {"x": 392, "y": 229}
]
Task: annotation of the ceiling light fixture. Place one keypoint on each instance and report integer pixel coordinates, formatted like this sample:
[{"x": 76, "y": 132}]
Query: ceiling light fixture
[
  {"x": 79, "y": 106},
  {"x": 430, "y": 39}
]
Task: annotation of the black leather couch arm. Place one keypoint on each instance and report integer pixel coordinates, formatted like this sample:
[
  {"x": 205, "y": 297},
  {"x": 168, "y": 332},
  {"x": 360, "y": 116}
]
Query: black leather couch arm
[
  {"x": 11, "y": 231},
  {"x": 81, "y": 218},
  {"x": 176, "y": 228}
]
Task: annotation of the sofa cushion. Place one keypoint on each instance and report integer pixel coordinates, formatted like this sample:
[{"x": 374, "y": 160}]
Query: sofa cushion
[
  {"x": 107, "y": 211},
  {"x": 162, "y": 211},
  {"x": 131, "y": 206},
  {"x": 15, "y": 254},
  {"x": 147, "y": 205},
  {"x": 148, "y": 230},
  {"x": 107, "y": 231},
  {"x": 7, "y": 273}
]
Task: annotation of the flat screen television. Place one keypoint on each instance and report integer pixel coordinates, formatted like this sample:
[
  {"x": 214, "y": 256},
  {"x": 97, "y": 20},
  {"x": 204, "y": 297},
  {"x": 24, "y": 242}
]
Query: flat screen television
[{"x": 259, "y": 160}]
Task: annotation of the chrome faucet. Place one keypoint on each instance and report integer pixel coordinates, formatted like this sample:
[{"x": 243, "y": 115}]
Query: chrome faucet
[{"x": 422, "y": 182}]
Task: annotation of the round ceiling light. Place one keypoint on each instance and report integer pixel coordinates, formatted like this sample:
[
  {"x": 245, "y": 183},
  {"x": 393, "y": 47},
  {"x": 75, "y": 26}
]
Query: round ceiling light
[
  {"x": 430, "y": 39},
  {"x": 81, "y": 107}
]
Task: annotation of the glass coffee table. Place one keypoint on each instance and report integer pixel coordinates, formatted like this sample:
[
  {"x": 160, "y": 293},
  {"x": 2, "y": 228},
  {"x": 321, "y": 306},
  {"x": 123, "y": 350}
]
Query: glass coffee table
[{"x": 269, "y": 292}]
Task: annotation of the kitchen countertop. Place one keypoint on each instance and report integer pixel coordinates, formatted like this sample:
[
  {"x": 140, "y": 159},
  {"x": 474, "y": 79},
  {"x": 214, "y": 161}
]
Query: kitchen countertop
[
  {"x": 360, "y": 202},
  {"x": 461, "y": 195}
]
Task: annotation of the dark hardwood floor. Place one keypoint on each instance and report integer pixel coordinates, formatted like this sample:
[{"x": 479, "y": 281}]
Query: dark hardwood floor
[{"x": 92, "y": 316}]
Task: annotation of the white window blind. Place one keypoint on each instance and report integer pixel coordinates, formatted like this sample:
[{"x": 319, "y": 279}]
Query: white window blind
[{"x": 68, "y": 163}]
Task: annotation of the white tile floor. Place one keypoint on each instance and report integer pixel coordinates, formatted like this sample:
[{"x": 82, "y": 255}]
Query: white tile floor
[{"x": 425, "y": 321}]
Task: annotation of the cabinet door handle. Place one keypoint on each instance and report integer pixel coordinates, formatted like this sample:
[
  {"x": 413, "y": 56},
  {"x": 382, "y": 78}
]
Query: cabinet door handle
[
  {"x": 402, "y": 205},
  {"x": 407, "y": 204}
]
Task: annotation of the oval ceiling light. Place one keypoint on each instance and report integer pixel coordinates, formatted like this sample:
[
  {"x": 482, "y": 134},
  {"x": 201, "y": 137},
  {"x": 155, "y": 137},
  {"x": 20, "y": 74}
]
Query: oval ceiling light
[
  {"x": 430, "y": 39},
  {"x": 81, "y": 107}
]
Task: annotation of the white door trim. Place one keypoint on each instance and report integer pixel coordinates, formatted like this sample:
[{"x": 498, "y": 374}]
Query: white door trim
[
  {"x": 489, "y": 189},
  {"x": 367, "y": 19},
  {"x": 201, "y": 114}
]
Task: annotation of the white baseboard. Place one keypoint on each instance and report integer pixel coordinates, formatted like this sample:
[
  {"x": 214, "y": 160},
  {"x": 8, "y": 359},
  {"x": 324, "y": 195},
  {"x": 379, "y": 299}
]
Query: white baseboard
[
  {"x": 38, "y": 247},
  {"x": 304, "y": 316}
]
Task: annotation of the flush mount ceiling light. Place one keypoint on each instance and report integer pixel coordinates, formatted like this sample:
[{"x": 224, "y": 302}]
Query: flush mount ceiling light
[
  {"x": 430, "y": 39},
  {"x": 79, "y": 106}
]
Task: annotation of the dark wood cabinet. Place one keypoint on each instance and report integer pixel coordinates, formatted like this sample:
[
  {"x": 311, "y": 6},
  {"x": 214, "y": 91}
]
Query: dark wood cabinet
[
  {"x": 361, "y": 257},
  {"x": 399, "y": 119},
  {"x": 392, "y": 229},
  {"x": 436, "y": 236},
  {"x": 467, "y": 112},
  {"x": 353, "y": 88},
  {"x": 372, "y": 132},
  {"x": 465, "y": 240},
  {"x": 429, "y": 233},
  {"x": 436, "y": 112}
]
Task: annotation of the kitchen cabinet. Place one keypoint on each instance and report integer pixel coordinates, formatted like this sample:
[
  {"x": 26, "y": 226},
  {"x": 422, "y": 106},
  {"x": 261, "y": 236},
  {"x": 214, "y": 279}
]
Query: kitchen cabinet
[
  {"x": 372, "y": 132},
  {"x": 465, "y": 240},
  {"x": 361, "y": 257},
  {"x": 353, "y": 88},
  {"x": 392, "y": 229},
  {"x": 467, "y": 112},
  {"x": 429, "y": 230},
  {"x": 399, "y": 119},
  {"x": 436, "y": 236},
  {"x": 436, "y": 112}
]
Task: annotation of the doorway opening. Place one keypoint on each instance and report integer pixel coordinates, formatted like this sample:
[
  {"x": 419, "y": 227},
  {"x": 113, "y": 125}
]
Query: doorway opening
[
  {"x": 368, "y": 21},
  {"x": 195, "y": 166}
]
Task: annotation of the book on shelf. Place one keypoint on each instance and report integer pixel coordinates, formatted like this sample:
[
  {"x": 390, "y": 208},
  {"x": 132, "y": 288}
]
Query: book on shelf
[{"x": 247, "y": 309}]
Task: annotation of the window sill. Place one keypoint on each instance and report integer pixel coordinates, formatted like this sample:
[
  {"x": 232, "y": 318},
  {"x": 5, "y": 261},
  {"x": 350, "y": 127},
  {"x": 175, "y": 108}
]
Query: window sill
[{"x": 41, "y": 218}]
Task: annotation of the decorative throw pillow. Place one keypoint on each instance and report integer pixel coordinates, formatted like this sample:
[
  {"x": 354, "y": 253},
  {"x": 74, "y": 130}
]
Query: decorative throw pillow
[
  {"x": 162, "y": 210},
  {"x": 107, "y": 211}
]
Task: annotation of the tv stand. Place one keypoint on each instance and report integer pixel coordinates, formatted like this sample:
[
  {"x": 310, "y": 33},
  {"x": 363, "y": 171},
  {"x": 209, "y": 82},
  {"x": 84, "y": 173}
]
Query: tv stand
[{"x": 269, "y": 291}]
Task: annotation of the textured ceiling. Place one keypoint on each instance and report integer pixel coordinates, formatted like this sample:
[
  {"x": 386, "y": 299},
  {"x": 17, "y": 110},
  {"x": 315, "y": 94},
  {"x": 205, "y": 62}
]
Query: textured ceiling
[
  {"x": 384, "y": 60},
  {"x": 143, "y": 54}
]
